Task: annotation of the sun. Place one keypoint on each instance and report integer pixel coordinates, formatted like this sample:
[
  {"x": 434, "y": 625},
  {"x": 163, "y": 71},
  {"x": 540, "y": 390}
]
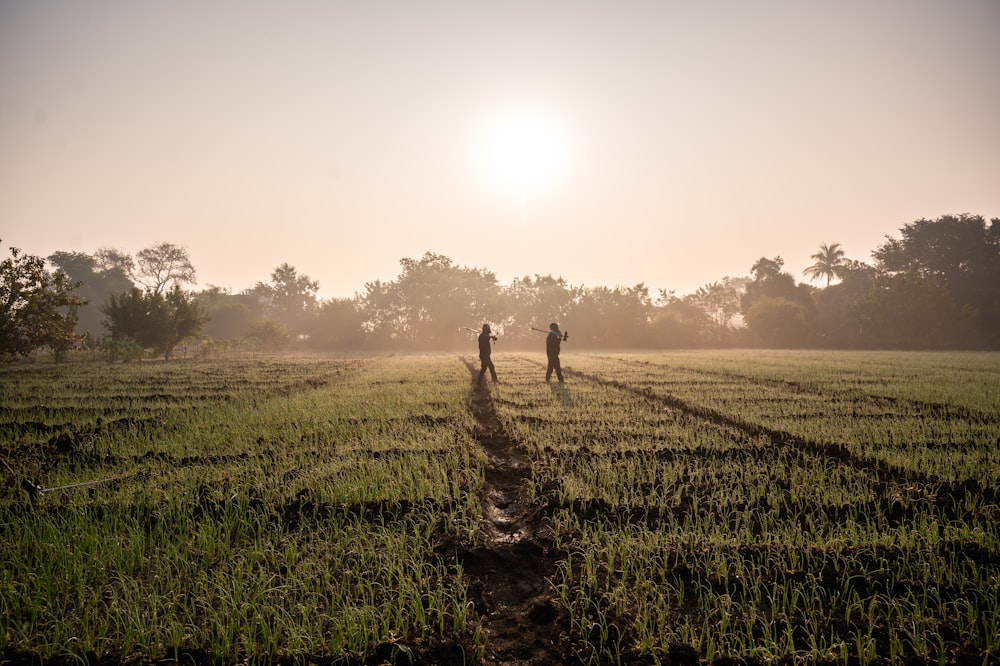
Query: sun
[{"x": 524, "y": 151}]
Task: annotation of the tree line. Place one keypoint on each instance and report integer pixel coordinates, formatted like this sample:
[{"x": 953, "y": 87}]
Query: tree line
[{"x": 937, "y": 286}]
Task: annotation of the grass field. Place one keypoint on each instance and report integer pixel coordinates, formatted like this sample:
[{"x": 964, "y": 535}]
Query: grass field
[{"x": 684, "y": 508}]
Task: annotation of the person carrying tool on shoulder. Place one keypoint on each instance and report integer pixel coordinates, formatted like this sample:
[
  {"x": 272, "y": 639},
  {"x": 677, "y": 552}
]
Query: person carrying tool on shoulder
[
  {"x": 552, "y": 343},
  {"x": 485, "y": 350}
]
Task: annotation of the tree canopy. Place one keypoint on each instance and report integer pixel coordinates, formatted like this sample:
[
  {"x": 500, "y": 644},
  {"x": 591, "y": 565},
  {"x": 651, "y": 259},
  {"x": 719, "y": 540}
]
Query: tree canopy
[
  {"x": 37, "y": 308},
  {"x": 162, "y": 264},
  {"x": 829, "y": 263},
  {"x": 937, "y": 286},
  {"x": 154, "y": 320}
]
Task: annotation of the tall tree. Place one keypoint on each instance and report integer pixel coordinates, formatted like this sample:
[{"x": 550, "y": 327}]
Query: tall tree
[
  {"x": 838, "y": 321},
  {"x": 906, "y": 311},
  {"x": 958, "y": 253},
  {"x": 607, "y": 317},
  {"x": 338, "y": 325},
  {"x": 829, "y": 263},
  {"x": 770, "y": 280},
  {"x": 154, "y": 320},
  {"x": 37, "y": 308},
  {"x": 163, "y": 264},
  {"x": 720, "y": 301},
  {"x": 778, "y": 322},
  {"x": 538, "y": 301},
  {"x": 430, "y": 303},
  {"x": 289, "y": 298},
  {"x": 97, "y": 280},
  {"x": 230, "y": 316},
  {"x": 114, "y": 263}
]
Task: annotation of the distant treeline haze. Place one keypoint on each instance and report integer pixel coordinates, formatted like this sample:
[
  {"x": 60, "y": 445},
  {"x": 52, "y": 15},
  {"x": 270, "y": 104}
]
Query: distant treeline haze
[{"x": 937, "y": 286}]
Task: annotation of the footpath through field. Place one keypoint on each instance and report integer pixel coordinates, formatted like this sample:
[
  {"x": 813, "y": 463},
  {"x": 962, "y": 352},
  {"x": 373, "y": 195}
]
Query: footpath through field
[{"x": 510, "y": 571}]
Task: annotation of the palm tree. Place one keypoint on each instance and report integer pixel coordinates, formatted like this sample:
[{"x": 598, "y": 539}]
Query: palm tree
[{"x": 829, "y": 263}]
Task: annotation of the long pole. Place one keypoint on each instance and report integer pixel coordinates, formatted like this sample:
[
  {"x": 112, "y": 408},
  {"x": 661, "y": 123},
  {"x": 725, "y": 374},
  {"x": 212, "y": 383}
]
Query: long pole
[
  {"x": 564, "y": 335},
  {"x": 475, "y": 331}
]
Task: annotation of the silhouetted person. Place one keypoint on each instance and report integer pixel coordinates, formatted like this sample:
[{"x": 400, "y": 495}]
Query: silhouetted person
[
  {"x": 552, "y": 342},
  {"x": 485, "y": 350}
]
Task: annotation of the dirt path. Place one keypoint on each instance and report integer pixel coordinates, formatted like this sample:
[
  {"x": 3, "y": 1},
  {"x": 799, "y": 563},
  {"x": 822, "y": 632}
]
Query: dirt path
[{"x": 510, "y": 570}]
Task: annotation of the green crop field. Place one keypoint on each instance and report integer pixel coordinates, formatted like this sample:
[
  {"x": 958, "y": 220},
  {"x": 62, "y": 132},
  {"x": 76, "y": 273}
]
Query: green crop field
[{"x": 677, "y": 508}]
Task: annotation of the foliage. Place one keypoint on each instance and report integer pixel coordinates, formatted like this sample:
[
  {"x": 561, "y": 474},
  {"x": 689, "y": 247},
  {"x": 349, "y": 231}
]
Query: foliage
[
  {"x": 97, "y": 280},
  {"x": 289, "y": 299},
  {"x": 153, "y": 320},
  {"x": 761, "y": 508},
  {"x": 616, "y": 317},
  {"x": 769, "y": 280},
  {"x": 957, "y": 253},
  {"x": 905, "y": 311},
  {"x": 162, "y": 264},
  {"x": 829, "y": 263},
  {"x": 113, "y": 351},
  {"x": 430, "y": 303},
  {"x": 37, "y": 308},
  {"x": 719, "y": 304},
  {"x": 838, "y": 321},
  {"x": 538, "y": 301},
  {"x": 952, "y": 262},
  {"x": 112, "y": 261},
  {"x": 230, "y": 316},
  {"x": 338, "y": 324},
  {"x": 268, "y": 335},
  {"x": 778, "y": 322}
]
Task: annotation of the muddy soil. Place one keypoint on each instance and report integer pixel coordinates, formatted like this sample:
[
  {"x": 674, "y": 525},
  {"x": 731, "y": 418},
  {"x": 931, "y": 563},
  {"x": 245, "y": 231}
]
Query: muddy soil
[{"x": 511, "y": 570}]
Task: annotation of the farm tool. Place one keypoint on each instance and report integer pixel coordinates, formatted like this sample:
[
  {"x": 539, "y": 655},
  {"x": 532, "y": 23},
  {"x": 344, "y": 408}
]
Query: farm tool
[
  {"x": 494, "y": 337},
  {"x": 564, "y": 336}
]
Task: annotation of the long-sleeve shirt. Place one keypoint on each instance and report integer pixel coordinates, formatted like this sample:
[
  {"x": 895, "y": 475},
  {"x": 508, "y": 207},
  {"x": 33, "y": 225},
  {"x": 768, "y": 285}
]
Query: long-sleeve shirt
[
  {"x": 484, "y": 344},
  {"x": 552, "y": 343}
]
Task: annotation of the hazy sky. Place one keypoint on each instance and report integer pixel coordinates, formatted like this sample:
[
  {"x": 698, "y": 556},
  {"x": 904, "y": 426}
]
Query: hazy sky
[{"x": 610, "y": 143}]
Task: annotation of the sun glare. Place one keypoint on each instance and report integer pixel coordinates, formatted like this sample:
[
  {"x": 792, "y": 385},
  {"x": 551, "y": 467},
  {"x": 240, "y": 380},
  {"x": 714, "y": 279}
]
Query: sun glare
[{"x": 524, "y": 152}]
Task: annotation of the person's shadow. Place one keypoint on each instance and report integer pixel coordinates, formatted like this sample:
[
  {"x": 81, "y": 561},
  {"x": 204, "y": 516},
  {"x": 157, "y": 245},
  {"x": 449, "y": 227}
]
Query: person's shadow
[{"x": 562, "y": 393}]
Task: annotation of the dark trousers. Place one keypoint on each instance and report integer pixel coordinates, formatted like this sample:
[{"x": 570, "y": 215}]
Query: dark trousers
[
  {"x": 486, "y": 363},
  {"x": 553, "y": 365}
]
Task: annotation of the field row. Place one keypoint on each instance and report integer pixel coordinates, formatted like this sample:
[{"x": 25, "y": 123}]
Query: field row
[
  {"x": 695, "y": 506},
  {"x": 762, "y": 517},
  {"x": 297, "y": 514}
]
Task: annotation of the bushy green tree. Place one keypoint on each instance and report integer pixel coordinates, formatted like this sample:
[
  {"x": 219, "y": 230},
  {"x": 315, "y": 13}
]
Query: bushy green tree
[
  {"x": 838, "y": 321},
  {"x": 786, "y": 310},
  {"x": 268, "y": 335},
  {"x": 607, "y": 317},
  {"x": 538, "y": 301},
  {"x": 430, "y": 303},
  {"x": 230, "y": 316},
  {"x": 154, "y": 320},
  {"x": 289, "y": 298},
  {"x": 906, "y": 311},
  {"x": 338, "y": 325},
  {"x": 959, "y": 254},
  {"x": 37, "y": 308},
  {"x": 678, "y": 323},
  {"x": 718, "y": 307},
  {"x": 778, "y": 322}
]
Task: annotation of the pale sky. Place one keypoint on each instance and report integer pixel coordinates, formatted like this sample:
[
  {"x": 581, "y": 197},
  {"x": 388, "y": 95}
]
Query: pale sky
[{"x": 680, "y": 141}]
